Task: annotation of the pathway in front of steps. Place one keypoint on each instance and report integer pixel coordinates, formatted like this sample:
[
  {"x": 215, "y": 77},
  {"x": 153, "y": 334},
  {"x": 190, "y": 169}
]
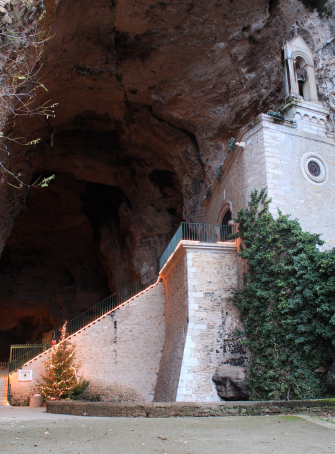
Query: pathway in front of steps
[{"x": 25, "y": 429}]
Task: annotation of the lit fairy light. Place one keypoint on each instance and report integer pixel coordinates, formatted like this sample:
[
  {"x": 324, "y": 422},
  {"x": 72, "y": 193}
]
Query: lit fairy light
[
  {"x": 94, "y": 321},
  {"x": 61, "y": 371}
]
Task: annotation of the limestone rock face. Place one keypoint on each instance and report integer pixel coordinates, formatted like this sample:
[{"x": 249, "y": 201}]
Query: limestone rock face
[
  {"x": 230, "y": 382},
  {"x": 149, "y": 94}
]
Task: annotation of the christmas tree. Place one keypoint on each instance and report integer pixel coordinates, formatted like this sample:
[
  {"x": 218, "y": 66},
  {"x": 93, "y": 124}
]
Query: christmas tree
[{"x": 61, "y": 379}]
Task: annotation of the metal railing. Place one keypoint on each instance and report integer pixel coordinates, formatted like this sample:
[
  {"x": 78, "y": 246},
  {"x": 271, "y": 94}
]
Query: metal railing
[
  {"x": 22, "y": 353},
  {"x": 4, "y": 368},
  {"x": 203, "y": 233}
]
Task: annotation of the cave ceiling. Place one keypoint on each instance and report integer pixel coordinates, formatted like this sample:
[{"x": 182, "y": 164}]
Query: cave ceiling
[{"x": 148, "y": 94}]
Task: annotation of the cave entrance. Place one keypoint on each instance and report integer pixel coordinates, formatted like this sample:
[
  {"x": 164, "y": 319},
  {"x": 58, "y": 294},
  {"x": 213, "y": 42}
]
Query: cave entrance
[
  {"x": 50, "y": 270},
  {"x": 79, "y": 241},
  {"x": 104, "y": 221}
]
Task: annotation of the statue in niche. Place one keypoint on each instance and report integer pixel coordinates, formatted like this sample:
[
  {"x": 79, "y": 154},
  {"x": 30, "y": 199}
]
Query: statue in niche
[{"x": 299, "y": 73}]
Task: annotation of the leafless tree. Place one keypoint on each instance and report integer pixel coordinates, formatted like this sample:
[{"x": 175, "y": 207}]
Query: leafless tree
[{"x": 22, "y": 41}]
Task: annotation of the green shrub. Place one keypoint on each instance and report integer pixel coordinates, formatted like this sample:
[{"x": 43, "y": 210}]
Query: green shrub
[{"x": 287, "y": 304}]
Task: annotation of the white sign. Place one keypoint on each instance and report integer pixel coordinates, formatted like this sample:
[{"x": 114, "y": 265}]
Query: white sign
[{"x": 25, "y": 375}]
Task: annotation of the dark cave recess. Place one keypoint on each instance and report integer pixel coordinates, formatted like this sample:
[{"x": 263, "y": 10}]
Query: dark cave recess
[{"x": 72, "y": 246}]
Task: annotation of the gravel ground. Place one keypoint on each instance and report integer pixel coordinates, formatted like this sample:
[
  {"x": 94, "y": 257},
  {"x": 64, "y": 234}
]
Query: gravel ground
[{"x": 31, "y": 430}]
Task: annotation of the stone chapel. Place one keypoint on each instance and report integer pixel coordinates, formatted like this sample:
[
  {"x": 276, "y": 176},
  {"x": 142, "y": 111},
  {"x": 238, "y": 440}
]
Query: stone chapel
[
  {"x": 175, "y": 340},
  {"x": 292, "y": 153}
]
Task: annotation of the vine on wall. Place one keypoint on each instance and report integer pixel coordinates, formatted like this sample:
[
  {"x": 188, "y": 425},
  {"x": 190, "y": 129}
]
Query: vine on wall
[{"x": 287, "y": 304}]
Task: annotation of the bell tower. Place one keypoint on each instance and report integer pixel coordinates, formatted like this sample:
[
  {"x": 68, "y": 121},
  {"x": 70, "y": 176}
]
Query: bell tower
[
  {"x": 290, "y": 153},
  {"x": 299, "y": 75},
  {"x": 301, "y": 96}
]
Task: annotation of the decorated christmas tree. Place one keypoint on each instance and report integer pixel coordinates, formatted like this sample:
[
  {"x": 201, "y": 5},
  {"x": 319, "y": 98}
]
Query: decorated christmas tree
[{"x": 60, "y": 379}]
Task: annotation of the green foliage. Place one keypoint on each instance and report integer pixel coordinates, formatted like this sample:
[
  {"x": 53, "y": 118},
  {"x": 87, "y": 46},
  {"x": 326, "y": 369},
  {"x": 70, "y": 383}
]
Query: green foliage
[
  {"x": 287, "y": 304},
  {"x": 78, "y": 391}
]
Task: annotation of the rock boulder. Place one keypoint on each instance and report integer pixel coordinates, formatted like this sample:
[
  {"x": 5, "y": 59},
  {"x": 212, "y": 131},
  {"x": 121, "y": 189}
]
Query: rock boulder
[{"x": 230, "y": 382}]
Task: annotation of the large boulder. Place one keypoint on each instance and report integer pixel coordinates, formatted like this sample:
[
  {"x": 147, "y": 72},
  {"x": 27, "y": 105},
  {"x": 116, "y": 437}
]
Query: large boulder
[{"x": 230, "y": 382}]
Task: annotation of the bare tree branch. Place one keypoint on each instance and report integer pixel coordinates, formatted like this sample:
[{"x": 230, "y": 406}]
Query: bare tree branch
[{"x": 22, "y": 40}]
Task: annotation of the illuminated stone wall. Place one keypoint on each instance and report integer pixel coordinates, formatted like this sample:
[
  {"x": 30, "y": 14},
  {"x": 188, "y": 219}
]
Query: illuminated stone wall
[
  {"x": 210, "y": 342},
  {"x": 119, "y": 354},
  {"x": 165, "y": 344},
  {"x": 200, "y": 280}
]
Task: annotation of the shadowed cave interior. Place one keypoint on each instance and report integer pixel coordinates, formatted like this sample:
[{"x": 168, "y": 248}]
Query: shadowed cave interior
[{"x": 80, "y": 239}]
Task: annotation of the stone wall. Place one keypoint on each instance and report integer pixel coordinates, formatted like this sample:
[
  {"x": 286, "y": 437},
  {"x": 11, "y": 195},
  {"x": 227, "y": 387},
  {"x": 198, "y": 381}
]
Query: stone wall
[
  {"x": 246, "y": 171},
  {"x": 213, "y": 319},
  {"x": 272, "y": 158},
  {"x": 119, "y": 354},
  {"x": 167, "y": 343},
  {"x": 291, "y": 191},
  {"x": 195, "y": 409},
  {"x": 200, "y": 279},
  {"x": 175, "y": 281}
]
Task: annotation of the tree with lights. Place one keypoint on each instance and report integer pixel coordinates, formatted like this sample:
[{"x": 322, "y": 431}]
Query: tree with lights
[{"x": 60, "y": 379}]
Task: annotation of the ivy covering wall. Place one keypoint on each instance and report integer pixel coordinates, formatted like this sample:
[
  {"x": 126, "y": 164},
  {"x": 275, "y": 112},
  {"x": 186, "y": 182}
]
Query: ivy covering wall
[{"x": 287, "y": 304}]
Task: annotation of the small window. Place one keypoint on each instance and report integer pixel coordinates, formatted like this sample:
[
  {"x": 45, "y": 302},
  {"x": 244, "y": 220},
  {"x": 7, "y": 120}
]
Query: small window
[{"x": 314, "y": 168}]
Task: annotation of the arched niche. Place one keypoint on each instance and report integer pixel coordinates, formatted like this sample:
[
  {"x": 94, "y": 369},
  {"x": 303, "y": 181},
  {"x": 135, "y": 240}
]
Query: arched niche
[{"x": 299, "y": 73}]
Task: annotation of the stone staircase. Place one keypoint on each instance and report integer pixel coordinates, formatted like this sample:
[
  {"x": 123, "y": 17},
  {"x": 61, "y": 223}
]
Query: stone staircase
[
  {"x": 3, "y": 391},
  {"x": 4, "y": 384}
]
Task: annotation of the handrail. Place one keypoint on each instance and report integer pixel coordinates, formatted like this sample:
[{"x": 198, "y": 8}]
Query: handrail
[
  {"x": 22, "y": 353},
  {"x": 204, "y": 233},
  {"x": 4, "y": 367}
]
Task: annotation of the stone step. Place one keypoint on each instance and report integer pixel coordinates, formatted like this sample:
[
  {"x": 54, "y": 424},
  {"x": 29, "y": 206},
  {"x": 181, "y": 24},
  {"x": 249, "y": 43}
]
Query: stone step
[{"x": 3, "y": 392}]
